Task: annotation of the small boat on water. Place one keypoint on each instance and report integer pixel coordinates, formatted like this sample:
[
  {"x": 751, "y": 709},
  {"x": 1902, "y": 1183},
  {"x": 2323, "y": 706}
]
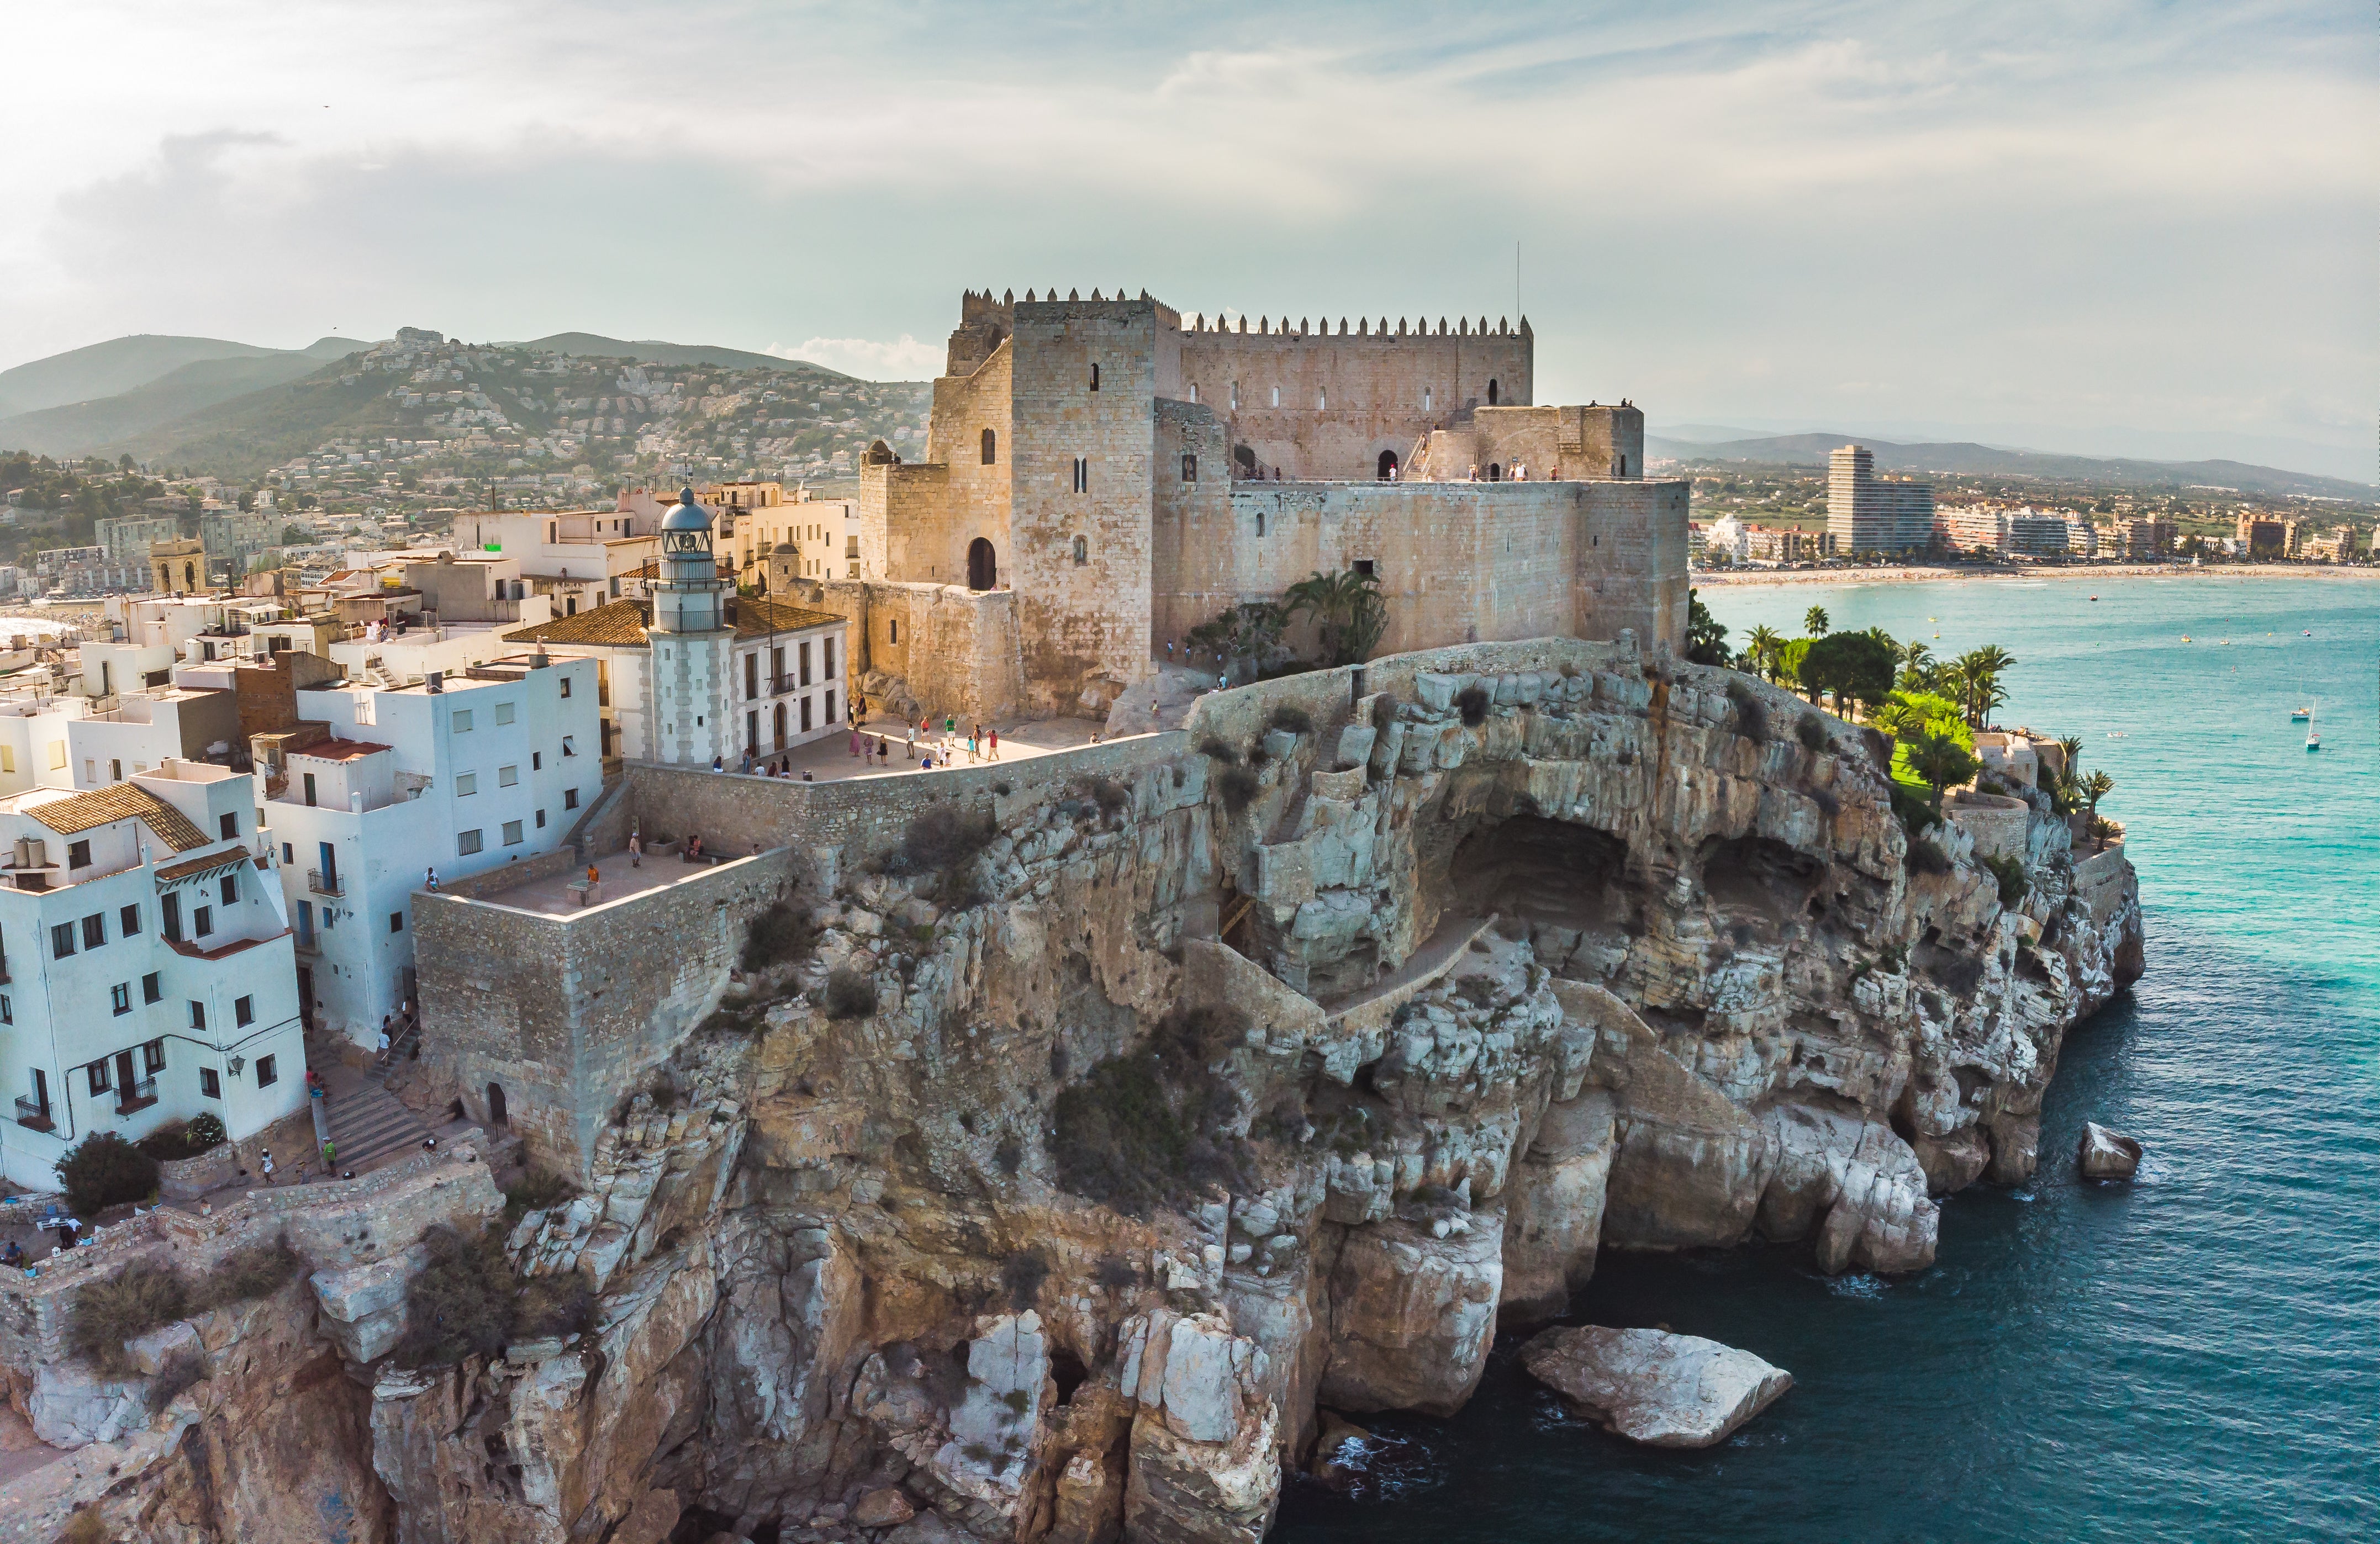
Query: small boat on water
[
  {"x": 2313, "y": 732},
  {"x": 2094, "y": 597},
  {"x": 2301, "y": 716}
]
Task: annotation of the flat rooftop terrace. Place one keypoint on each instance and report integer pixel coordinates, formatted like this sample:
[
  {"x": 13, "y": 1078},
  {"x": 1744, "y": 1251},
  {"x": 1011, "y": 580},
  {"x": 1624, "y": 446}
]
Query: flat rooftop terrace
[
  {"x": 829, "y": 760},
  {"x": 556, "y": 895}
]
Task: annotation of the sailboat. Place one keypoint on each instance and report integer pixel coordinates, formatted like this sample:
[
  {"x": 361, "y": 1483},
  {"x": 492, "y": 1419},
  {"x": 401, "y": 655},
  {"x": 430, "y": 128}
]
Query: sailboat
[{"x": 2313, "y": 732}]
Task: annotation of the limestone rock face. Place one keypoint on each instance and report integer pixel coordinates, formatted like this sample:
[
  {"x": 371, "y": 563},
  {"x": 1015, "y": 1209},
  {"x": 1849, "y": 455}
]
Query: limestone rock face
[
  {"x": 1412, "y": 1315},
  {"x": 1652, "y": 1387},
  {"x": 2106, "y": 1155},
  {"x": 1612, "y": 966}
]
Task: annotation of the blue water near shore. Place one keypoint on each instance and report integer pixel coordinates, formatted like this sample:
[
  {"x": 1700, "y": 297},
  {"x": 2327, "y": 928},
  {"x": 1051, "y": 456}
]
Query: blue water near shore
[{"x": 2194, "y": 1356}]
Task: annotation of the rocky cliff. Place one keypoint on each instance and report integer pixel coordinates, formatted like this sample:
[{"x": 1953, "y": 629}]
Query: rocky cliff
[{"x": 1084, "y": 1154}]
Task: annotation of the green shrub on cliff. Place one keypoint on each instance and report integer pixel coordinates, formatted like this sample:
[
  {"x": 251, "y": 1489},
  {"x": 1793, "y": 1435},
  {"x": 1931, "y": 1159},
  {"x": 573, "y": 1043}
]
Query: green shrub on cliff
[
  {"x": 2009, "y": 871},
  {"x": 104, "y": 1170},
  {"x": 1144, "y": 1129}
]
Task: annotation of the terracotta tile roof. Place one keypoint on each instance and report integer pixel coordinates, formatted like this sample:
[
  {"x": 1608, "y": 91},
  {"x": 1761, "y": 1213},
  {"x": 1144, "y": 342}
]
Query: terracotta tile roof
[
  {"x": 338, "y": 750},
  {"x": 230, "y": 857},
  {"x": 81, "y": 812},
  {"x": 754, "y": 616},
  {"x": 614, "y": 622}
]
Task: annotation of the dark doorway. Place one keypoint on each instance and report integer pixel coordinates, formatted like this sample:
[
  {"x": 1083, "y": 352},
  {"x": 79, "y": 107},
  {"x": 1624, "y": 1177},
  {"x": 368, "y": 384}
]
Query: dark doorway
[
  {"x": 306, "y": 990},
  {"x": 496, "y": 1116},
  {"x": 1495, "y": 472},
  {"x": 1387, "y": 465},
  {"x": 983, "y": 569},
  {"x": 1491, "y": 394}
]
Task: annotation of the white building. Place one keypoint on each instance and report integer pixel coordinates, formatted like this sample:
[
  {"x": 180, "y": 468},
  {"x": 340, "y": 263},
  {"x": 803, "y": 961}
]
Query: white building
[
  {"x": 378, "y": 787},
  {"x": 1868, "y": 514},
  {"x": 696, "y": 673},
  {"x": 146, "y": 973}
]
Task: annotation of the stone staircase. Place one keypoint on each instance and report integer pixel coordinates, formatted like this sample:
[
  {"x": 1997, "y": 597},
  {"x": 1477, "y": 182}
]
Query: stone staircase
[{"x": 369, "y": 1122}]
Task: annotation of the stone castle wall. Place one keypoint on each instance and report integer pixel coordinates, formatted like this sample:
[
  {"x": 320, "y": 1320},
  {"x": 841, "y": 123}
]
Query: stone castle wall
[
  {"x": 1458, "y": 561},
  {"x": 1593, "y": 442},
  {"x": 946, "y": 648}
]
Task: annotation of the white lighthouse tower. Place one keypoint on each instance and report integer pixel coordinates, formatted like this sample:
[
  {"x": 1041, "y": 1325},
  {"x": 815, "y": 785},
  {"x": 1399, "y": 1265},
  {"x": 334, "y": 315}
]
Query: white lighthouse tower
[{"x": 691, "y": 639}]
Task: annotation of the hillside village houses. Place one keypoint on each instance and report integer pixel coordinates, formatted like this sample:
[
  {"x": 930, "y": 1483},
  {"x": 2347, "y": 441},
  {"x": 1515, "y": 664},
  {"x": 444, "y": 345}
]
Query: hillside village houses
[{"x": 147, "y": 971}]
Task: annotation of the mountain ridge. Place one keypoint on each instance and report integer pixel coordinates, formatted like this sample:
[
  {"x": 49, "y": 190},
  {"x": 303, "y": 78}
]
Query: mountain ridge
[{"x": 1969, "y": 459}]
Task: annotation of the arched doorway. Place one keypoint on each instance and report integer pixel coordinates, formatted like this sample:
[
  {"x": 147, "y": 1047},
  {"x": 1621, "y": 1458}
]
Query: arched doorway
[
  {"x": 983, "y": 569},
  {"x": 1495, "y": 472},
  {"x": 1491, "y": 394},
  {"x": 1387, "y": 465},
  {"x": 496, "y": 1115}
]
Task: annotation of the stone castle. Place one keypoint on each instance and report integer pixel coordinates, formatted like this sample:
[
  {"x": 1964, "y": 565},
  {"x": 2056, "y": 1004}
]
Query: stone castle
[{"x": 1101, "y": 475}]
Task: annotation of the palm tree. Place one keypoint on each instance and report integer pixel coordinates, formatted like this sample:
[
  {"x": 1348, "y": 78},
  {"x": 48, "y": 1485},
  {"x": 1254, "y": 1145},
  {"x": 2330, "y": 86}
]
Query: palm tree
[
  {"x": 1813, "y": 623},
  {"x": 2096, "y": 786},
  {"x": 1760, "y": 647},
  {"x": 1916, "y": 663},
  {"x": 1977, "y": 672},
  {"x": 1348, "y": 609}
]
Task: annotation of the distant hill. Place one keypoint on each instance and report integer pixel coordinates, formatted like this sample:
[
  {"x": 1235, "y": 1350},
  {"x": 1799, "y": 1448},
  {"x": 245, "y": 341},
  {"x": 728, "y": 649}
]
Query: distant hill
[
  {"x": 124, "y": 364},
  {"x": 242, "y": 435},
  {"x": 1971, "y": 460},
  {"x": 652, "y": 351},
  {"x": 79, "y": 427}
]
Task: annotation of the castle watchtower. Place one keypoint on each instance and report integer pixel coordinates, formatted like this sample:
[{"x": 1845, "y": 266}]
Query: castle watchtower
[{"x": 691, "y": 641}]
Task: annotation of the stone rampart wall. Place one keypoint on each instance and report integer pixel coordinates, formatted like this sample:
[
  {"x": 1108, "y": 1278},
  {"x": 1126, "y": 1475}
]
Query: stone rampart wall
[
  {"x": 1346, "y": 397},
  {"x": 564, "y": 1013},
  {"x": 1458, "y": 561},
  {"x": 861, "y": 815}
]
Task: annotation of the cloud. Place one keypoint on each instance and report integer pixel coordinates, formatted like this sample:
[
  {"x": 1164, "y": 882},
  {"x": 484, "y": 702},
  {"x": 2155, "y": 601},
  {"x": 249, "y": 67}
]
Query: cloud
[
  {"x": 2143, "y": 211},
  {"x": 903, "y": 359}
]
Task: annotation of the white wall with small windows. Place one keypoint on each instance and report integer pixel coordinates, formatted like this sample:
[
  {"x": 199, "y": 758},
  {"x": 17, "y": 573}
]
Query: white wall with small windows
[
  {"x": 494, "y": 767},
  {"x": 146, "y": 967}
]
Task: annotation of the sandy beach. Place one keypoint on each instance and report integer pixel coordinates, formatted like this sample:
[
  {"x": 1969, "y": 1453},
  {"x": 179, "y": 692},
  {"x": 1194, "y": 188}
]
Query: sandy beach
[{"x": 1919, "y": 574}]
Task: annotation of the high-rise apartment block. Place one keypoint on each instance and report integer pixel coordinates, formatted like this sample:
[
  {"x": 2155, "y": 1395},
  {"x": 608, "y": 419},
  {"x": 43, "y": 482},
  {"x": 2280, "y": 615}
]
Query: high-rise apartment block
[{"x": 1867, "y": 514}]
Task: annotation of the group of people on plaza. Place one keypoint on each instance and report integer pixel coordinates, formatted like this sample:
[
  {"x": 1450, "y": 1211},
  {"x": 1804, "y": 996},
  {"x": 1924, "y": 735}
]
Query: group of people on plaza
[{"x": 981, "y": 744}]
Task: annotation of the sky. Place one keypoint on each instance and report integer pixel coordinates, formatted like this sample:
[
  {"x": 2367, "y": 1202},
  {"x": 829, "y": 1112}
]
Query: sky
[{"x": 2123, "y": 228}]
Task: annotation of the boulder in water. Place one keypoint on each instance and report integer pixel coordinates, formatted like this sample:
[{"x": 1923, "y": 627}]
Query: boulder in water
[
  {"x": 2106, "y": 1154},
  {"x": 1652, "y": 1387}
]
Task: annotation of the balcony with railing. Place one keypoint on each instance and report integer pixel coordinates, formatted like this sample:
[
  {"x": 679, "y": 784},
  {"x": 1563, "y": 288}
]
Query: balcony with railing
[
  {"x": 137, "y": 1096},
  {"x": 325, "y": 884},
  {"x": 34, "y": 1116}
]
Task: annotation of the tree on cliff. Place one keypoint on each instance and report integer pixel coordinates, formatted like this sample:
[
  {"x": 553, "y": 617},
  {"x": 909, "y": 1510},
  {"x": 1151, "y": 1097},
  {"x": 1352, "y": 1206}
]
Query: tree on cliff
[
  {"x": 1814, "y": 621},
  {"x": 1853, "y": 666},
  {"x": 2096, "y": 786},
  {"x": 1348, "y": 609},
  {"x": 1706, "y": 636},
  {"x": 1790, "y": 656},
  {"x": 1941, "y": 761}
]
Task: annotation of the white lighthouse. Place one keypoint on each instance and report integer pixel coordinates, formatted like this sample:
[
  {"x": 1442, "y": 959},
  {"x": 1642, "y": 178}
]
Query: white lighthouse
[{"x": 691, "y": 639}]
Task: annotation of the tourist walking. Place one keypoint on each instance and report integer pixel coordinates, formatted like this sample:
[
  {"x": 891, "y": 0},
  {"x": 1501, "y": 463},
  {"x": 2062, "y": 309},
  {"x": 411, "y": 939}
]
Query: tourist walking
[
  {"x": 855, "y": 741},
  {"x": 635, "y": 851},
  {"x": 909, "y": 739},
  {"x": 995, "y": 744},
  {"x": 330, "y": 1154},
  {"x": 265, "y": 1164}
]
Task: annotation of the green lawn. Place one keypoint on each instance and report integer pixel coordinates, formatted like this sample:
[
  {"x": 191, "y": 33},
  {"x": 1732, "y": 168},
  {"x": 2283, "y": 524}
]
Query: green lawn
[{"x": 1907, "y": 778}]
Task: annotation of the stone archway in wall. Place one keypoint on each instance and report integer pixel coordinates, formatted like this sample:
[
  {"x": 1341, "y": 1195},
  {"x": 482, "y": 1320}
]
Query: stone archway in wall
[
  {"x": 1387, "y": 465},
  {"x": 983, "y": 565},
  {"x": 498, "y": 1115}
]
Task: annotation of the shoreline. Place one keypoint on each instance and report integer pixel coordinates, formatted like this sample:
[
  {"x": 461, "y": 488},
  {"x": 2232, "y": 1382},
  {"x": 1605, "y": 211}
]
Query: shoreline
[{"x": 1719, "y": 579}]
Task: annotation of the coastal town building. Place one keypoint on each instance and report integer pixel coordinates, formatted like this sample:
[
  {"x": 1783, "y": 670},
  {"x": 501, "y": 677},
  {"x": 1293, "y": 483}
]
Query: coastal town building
[
  {"x": 1868, "y": 514},
  {"x": 368, "y": 790},
  {"x": 149, "y": 972},
  {"x": 693, "y": 674},
  {"x": 1102, "y": 476},
  {"x": 2146, "y": 539}
]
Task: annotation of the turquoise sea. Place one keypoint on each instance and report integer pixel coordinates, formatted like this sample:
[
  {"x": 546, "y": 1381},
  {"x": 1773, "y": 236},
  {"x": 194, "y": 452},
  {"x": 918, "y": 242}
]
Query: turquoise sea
[{"x": 2192, "y": 1357}]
